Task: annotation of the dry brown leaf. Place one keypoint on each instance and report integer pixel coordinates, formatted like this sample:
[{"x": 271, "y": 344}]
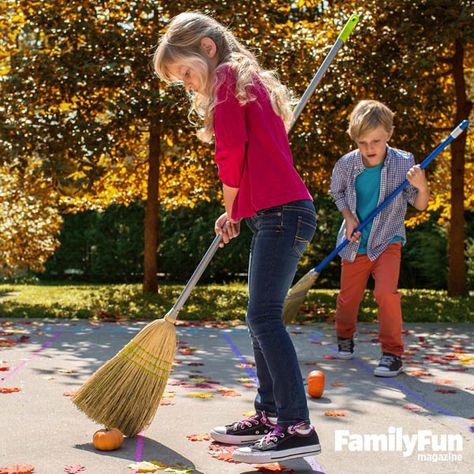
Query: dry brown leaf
[
  {"x": 199, "y": 437},
  {"x": 17, "y": 469}
]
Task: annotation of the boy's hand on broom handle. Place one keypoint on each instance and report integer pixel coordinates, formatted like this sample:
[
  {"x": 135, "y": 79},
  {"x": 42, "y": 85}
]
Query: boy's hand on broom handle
[
  {"x": 351, "y": 223},
  {"x": 227, "y": 228}
]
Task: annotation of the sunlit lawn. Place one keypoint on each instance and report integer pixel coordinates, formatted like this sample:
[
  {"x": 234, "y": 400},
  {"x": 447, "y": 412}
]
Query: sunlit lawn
[{"x": 207, "y": 302}]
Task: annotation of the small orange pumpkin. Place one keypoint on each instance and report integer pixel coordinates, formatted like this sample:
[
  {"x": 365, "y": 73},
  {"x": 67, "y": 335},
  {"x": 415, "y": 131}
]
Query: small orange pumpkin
[
  {"x": 316, "y": 383},
  {"x": 107, "y": 440}
]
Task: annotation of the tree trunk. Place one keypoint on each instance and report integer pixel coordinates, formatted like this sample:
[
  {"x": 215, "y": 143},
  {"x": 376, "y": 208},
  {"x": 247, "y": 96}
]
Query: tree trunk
[
  {"x": 150, "y": 264},
  {"x": 456, "y": 254}
]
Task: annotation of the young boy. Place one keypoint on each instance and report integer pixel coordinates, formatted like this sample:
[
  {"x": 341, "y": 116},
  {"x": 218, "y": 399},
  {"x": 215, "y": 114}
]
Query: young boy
[{"x": 360, "y": 181}]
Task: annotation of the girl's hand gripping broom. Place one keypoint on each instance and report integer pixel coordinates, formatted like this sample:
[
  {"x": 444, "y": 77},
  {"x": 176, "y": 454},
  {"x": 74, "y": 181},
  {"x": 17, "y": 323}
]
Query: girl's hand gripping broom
[
  {"x": 125, "y": 392},
  {"x": 298, "y": 292}
]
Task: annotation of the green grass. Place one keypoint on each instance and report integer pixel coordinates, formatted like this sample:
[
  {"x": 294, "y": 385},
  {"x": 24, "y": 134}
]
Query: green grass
[{"x": 207, "y": 302}]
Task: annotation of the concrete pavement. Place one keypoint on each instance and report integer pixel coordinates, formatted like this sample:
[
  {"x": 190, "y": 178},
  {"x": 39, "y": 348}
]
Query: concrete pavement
[{"x": 211, "y": 384}]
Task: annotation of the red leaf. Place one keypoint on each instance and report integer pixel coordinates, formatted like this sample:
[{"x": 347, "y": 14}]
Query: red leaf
[
  {"x": 4, "y": 368},
  {"x": 229, "y": 393},
  {"x": 7, "y": 342},
  {"x": 329, "y": 357},
  {"x": 413, "y": 407},
  {"x": 17, "y": 469},
  {"x": 445, "y": 390},
  {"x": 270, "y": 468},
  {"x": 9, "y": 389},
  {"x": 70, "y": 394},
  {"x": 74, "y": 469}
]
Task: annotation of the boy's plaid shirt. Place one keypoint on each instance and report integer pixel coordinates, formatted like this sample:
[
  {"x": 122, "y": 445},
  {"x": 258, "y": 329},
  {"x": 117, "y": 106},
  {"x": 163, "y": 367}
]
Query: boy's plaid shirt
[{"x": 390, "y": 222}]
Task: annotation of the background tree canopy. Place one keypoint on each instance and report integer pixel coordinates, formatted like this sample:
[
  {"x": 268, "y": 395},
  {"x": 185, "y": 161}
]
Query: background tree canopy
[{"x": 85, "y": 124}]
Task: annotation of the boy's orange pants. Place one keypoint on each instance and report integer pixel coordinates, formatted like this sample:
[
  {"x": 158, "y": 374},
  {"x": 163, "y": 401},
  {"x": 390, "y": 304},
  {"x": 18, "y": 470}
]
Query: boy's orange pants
[{"x": 354, "y": 275}]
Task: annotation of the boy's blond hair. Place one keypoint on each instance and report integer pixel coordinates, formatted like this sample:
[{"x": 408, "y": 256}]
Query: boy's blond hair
[{"x": 368, "y": 115}]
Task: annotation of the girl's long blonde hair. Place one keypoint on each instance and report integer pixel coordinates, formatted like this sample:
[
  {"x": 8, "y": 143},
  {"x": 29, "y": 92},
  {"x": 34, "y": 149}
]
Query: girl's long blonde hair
[{"x": 182, "y": 44}]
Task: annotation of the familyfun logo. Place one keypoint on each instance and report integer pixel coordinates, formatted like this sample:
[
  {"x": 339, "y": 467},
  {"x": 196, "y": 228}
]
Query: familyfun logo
[{"x": 428, "y": 445}]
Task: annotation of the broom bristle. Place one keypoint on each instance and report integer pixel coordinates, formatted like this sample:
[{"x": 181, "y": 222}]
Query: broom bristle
[
  {"x": 125, "y": 392},
  {"x": 297, "y": 295}
]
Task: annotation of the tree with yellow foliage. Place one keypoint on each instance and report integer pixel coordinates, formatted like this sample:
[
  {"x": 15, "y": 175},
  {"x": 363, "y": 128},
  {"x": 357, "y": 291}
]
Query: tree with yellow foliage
[{"x": 78, "y": 92}]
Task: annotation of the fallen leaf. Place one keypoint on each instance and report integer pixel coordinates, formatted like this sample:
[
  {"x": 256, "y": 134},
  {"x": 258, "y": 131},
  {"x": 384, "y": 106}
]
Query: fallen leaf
[
  {"x": 337, "y": 384},
  {"x": 246, "y": 365},
  {"x": 328, "y": 357},
  {"x": 199, "y": 437},
  {"x": 269, "y": 468},
  {"x": 168, "y": 395},
  {"x": 7, "y": 342},
  {"x": 419, "y": 373},
  {"x": 144, "y": 466},
  {"x": 416, "y": 408},
  {"x": 466, "y": 359},
  {"x": 222, "y": 452},
  {"x": 471, "y": 389},
  {"x": 229, "y": 393},
  {"x": 166, "y": 402},
  {"x": 68, "y": 371},
  {"x": 198, "y": 379},
  {"x": 249, "y": 413},
  {"x": 199, "y": 395},
  {"x": 9, "y": 389},
  {"x": 335, "y": 413},
  {"x": 3, "y": 368},
  {"x": 178, "y": 468},
  {"x": 249, "y": 385},
  {"x": 443, "y": 382},
  {"x": 457, "y": 369},
  {"x": 70, "y": 394},
  {"x": 74, "y": 469},
  {"x": 245, "y": 380},
  {"x": 198, "y": 385},
  {"x": 445, "y": 390},
  {"x": 195, "y": 364},
  {"x": 17, "y": 469}
]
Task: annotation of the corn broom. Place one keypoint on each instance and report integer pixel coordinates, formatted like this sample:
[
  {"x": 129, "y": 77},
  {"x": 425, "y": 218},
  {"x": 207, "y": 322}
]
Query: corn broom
[{"x": 126, "y": 391}]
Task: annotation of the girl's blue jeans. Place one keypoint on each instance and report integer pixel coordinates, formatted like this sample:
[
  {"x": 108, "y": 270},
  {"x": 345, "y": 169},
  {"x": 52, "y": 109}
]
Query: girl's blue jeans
[{"x": 280, "y": 235}]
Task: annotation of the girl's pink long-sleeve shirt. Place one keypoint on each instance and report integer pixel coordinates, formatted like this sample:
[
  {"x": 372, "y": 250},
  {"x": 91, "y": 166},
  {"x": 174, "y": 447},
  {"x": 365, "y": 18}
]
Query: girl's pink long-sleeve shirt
[{"x": 252, "y": 150}]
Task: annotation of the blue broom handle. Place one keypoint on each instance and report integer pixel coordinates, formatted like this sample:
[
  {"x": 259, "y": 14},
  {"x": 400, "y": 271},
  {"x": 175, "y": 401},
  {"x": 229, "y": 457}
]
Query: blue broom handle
[{"x": 452, "y": 136}]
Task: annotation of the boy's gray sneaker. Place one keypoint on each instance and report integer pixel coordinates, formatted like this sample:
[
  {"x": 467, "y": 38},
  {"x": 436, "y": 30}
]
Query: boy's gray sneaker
[
  {"x": 345, "y": 348},
  {"x": 390, "y": 365}
]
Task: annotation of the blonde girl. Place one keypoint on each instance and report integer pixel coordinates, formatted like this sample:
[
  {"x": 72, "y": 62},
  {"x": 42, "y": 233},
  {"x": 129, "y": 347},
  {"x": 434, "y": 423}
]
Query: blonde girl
[{"x": 246, "y": 111}]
